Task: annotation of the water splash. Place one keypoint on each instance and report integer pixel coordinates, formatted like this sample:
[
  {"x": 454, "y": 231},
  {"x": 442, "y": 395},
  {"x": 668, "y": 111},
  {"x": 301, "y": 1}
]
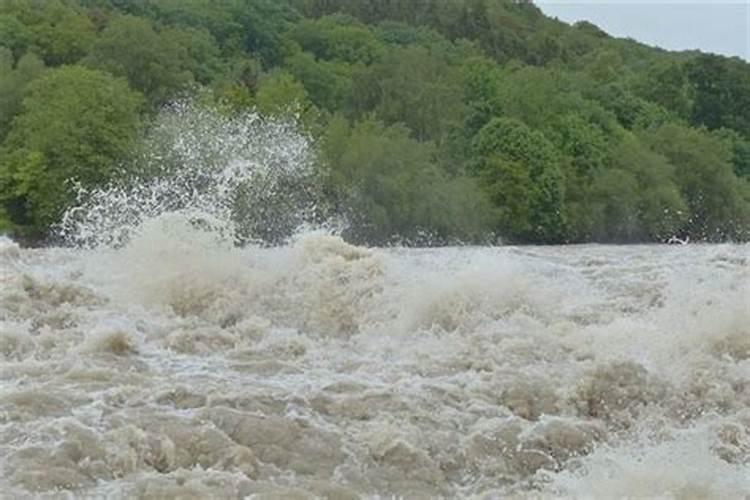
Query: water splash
[
  {"x": 183, "y": 366},
  {"x": 176, "y": 367},
  {"x": 244, "y": 178}
]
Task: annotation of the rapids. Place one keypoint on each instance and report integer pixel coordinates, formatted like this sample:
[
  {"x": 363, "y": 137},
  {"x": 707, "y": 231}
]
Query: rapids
[
  {"x": 194, "y": 341},
  {"x": 180, "y": 367}
]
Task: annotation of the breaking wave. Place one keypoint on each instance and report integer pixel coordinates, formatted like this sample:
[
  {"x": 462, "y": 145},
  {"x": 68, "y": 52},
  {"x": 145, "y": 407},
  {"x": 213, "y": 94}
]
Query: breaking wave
[
  {"x": 160, "y": 359},
  {"x": 247, "y": 178}
]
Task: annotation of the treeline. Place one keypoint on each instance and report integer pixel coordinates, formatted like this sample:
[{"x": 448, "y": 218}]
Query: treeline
[{"x": 446, "y": 120}]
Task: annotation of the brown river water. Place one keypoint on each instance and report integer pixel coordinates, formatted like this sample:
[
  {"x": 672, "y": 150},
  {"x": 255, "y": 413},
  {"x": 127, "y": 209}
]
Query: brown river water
[
  {"x": 178, "y": 367},
  {"x": 158, "y": 360}
]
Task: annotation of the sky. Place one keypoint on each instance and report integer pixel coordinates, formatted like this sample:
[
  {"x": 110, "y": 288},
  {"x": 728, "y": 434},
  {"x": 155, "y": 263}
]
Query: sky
[{"x": 718, "y": 26}]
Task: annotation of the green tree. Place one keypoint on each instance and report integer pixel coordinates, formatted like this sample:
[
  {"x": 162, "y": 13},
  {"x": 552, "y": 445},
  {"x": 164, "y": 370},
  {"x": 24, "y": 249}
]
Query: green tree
[
  {"x": 704, "y": 173},
  {"x": 584, "y": 142},
  {"x": 572, "y": 134},
  {"x": 14, "y": 35},
  {"x": 416, "y": 86},
  {"x": 154, "y": 64},
  {"x": 540, "y": 96},
  {"x": 280, "y": 94},
  {"x": 253, "y": 27},
  {"x": 666, "y": 84},
  {"x": 636, "y": 198},
  {"x": 401, "y": 34},
  {"x": 13, "y": 81},
  {"x": 722, "y": 92},
  {"x": 203, "y": 57},
  {"x": 509, "y": 187},
  {"x": 60, "y": 32},
  {"x": 338, "y": 38},
  {"x": 587, "y": 148},
  {"x": 390, "y": 186},
  {"x": 632, "y": 112},
  {"x": 239, "y": 83},
  {"x": 740, "y": 148},
  {"x": 328, "y": 83},
  {"x": 505, "y": 140},
  {"x": 75, "y": 123},
  {"x": 481, "y": 82}
]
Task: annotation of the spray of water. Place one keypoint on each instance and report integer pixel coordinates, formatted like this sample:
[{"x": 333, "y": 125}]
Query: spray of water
[
  {"x": 244, "y": 178},
  {"x": 179, "y": 365}
]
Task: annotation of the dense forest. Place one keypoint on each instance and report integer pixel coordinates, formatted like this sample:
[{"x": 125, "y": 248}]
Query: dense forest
[{"x": 456, "y": 119}]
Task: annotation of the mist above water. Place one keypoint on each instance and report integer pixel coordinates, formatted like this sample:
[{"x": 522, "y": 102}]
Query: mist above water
[
  {"x": 245, "y": 177},
  {"x": 159, "y": 359}
]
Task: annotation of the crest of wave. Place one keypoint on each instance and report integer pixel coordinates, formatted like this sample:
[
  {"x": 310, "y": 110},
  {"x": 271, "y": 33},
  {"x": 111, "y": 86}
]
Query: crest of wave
[{"x": 244, "y": 178}]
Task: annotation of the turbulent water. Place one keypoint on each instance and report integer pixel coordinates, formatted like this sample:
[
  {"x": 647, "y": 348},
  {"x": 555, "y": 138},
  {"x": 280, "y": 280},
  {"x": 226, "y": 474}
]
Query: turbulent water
[
  {"x": 176, "y": 367},
  {"x": 160, "y": 360}
]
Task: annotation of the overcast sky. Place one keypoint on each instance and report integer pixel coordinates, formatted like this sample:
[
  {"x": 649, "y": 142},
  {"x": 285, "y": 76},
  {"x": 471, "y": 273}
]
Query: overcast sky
[{"x": 717, "y": 26}]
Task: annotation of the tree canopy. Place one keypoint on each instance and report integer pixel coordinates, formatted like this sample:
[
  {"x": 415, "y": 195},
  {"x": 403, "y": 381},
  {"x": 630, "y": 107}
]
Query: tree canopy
[
  {"x": 74, "y": 124},
  {"x": 437, "y": 121}
]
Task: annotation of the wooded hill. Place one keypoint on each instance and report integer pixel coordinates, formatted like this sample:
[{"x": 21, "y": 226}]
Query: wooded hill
[{"x": 455, "y": 119}]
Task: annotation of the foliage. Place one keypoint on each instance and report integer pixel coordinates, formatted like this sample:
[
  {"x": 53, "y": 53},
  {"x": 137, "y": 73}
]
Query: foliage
[
  {"x": 414, "y": 86},
  {"x": 531, "y": 167},
  {"x": 391, "y": 186},
  {"x": 154, "y": 64},
  {"x": 328, "y": 83},
  {"x": 722, "y": 93},
  {"x": 59, "y": 32},
  {"x": 337, "y": 39},
  {"x": 705, "y": 175},
  {"x": 13, "y": 81},
  {"x": 454, "y": 118},
  {"x": 74, "y": 124},
  {"x": 636, "y": 198}
]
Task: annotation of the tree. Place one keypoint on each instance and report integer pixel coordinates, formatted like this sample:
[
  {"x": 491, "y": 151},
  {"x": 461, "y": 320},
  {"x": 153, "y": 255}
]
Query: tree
[
  {"x": 59, "y": 31},
  {"x": 636, "y": 198},
  {"x": 338, "y": 38},
  {"x": 666, "y": 84},
  {"x": 14, "y": 35},
  {"x": 203, "y": 57},
  {"x": 390, "y": 186},
  {"x": 632, "y": 112},
  {"x": 253, "y": 27},
  {"x": 13, "y": 81},
  {"x": 280, "y": 94},
  {"x": 704, "y": 173},
  {"x": 509, "y": 187},
  {"x": 505, "y": 140},
  {"x": 154, "y": 64},
  {"x": 75, "y": 123},
  {"x": 587, "y": 148},
  {"x": 540, "y": 96},
  {"x": 584, "y": 142},
  {"x": 722, "y": 93},
  {"x": 416, "y": 86},
  {"x": 481, "y": 82},
  {"x": 740, "y": 148},
  {"x": 395, "y": 33},
  {"x": 328, "y": 83}
]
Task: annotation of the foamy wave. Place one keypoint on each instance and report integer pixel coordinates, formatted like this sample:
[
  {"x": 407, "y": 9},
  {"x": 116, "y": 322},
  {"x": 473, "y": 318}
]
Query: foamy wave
[
  {"x": 181, "y": 364},
  {"x": 684, "y": 467},
  {"x": 245, "y": 177}
]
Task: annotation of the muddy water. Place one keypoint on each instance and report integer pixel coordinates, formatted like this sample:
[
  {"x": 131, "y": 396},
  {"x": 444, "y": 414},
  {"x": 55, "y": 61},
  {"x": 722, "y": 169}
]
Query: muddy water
[{"x": 177, "y": 367}]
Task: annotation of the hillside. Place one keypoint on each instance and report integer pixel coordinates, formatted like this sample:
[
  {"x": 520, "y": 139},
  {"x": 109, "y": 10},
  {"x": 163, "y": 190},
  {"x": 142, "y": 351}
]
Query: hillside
[{"x": 455, "y": 120}]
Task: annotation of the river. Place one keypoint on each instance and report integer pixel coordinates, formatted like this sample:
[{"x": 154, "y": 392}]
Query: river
[{"x": 177, "y": 367}]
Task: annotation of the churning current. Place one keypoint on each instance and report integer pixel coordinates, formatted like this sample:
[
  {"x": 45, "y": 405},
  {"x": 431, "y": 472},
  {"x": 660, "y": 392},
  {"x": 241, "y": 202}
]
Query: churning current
[
  {"x": 157, "y": 358},
  {"x": 178, "y": 367}
]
